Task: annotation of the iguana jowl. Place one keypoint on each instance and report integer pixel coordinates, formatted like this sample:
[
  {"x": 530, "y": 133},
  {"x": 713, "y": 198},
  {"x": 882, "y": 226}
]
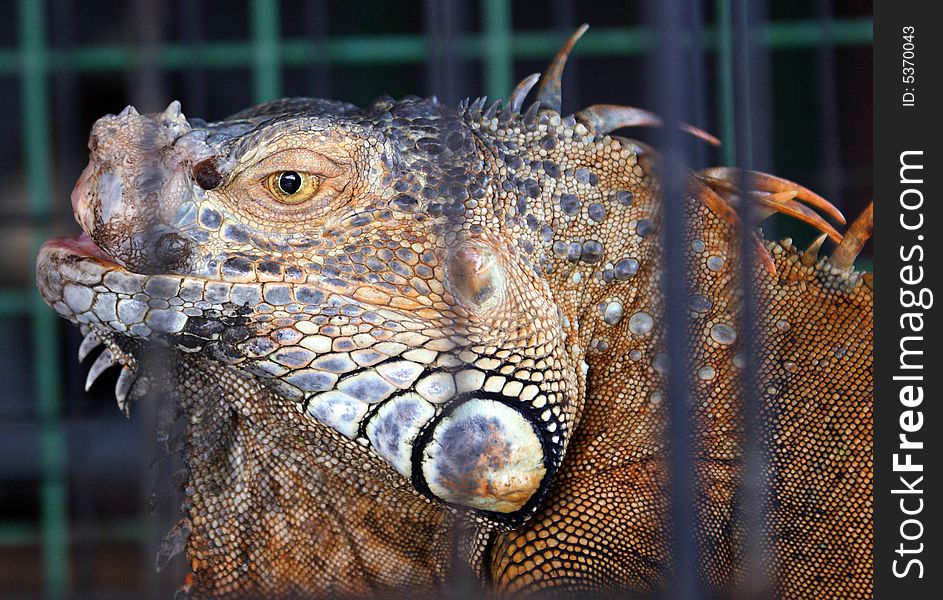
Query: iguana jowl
[{"x": 373, "y": 318}]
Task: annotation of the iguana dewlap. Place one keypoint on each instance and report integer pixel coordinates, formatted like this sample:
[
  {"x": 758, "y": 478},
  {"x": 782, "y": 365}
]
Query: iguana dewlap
[{"x": 376, "y": 318}]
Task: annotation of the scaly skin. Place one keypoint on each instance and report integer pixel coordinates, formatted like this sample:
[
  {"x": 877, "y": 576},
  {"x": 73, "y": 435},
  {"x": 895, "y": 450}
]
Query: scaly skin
[{"x": 459, "y": 312}]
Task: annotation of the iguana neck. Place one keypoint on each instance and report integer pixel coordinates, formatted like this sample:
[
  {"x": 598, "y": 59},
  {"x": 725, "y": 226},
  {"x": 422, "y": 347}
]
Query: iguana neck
[{"x": 334, "y": 524}]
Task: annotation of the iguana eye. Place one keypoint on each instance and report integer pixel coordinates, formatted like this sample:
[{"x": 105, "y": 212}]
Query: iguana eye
[{"x": 292, "y": 187}]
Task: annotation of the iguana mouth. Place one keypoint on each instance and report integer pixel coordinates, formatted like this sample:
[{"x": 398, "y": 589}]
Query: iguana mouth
[{"x": 82, "y": 246}]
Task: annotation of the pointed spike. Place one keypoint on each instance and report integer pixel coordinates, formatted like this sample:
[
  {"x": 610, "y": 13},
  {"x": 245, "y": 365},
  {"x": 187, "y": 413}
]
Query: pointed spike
[
  {"x": 771, "y": 194},
  {"x": 492, "y": 110},
  {"x": 172, "y": 111},
  {"x": 129, "y": 111},
  {"x": 764, "y": 182},
  {"x": 854, "y": 240},
  {"x": 122, "y": 387},
  {"x": 175, "y": 120},
  {"x": 700, "y": 134},
  {"x": 506, "y": 113},
  {"x": 781, "y": 202},
  {"x": 602, "y": 119},
  {"x": 516, "y": 101},
  {"x": 478, "y": 104},
  {"x": 783, "y": 197},
  {"x": 798, "y": 211},
  {"x": 811, "y": 255},
  {"x": 530, "y": 117},
  {"x": 549, "y": 94},
  {"x": 763, "y": 254},
  {"x": 103, "y": 362},
  {"x": 89, "y": 343}
]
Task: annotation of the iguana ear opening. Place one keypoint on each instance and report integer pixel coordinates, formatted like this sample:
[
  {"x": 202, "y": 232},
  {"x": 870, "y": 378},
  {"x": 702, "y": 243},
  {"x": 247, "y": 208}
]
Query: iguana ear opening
[
  {"x": 489, "y": 452},
  {"x": 484, "y": 455}
]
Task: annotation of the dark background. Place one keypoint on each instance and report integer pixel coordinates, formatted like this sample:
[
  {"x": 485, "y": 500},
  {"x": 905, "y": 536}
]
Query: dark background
[{"x": 76, "y": 478}]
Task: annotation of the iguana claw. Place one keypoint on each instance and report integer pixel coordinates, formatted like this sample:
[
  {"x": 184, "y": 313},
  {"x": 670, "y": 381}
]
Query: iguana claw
[
  {"x": 104, "y": 361},
  {"x": 89, "y": 343}
]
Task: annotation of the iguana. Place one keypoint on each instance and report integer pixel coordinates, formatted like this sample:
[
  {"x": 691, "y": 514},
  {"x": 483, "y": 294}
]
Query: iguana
[{"x": 414, "y": 337}]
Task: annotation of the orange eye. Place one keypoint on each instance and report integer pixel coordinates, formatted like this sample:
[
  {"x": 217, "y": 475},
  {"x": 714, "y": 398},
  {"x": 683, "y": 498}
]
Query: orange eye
[{"x": 292, "y": 187}]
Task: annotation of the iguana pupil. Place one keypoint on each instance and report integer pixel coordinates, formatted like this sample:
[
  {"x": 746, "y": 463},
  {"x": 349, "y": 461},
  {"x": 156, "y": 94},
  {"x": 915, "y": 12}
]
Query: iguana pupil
[{"x": 289, "y": 182}]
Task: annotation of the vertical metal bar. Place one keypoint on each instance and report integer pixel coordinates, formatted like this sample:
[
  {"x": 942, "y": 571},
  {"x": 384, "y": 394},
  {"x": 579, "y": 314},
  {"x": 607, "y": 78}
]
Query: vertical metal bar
[
  {"x": 563, "y": 18},
  {"x": 65, "y": 111},
  {"x": 267, "y": 64},
  {"x": 46, "y": 368},
  {"x": 194, "y": 75},
  {"x": 498, "y": 51},
  {"x": 442, "y": 78},
  {"x": 145, "y": 81},
  {"x": 65, "y": 140},
  {"x": 671, "y": 20},
  {"x": 828, "y": 94},
  {"x": 750, "y": 102},
  {"x": 698, "y": 87},
  {"x": 724, "y": 70},
  {"x": 319, "y": 74},
  {"x": 442, "y": 31},
  {"x": 148, "y": 94}
]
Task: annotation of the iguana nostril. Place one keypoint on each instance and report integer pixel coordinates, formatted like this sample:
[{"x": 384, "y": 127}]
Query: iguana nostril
[
  {"x": 206, "y": 175},
  {"x": 171, "y": 249}
]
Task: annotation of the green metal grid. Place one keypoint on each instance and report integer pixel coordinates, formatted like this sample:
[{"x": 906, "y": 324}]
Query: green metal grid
[
  {"x": 265, "y": 53},
  {"x": 497, "y": 45}
]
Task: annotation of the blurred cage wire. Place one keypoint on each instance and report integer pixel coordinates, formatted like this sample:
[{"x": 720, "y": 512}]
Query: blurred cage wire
[{"x": 786, "y": 86}]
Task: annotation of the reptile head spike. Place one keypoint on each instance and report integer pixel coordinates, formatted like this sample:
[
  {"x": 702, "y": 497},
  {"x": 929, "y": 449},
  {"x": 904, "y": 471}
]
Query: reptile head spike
[
  {"x": 854, "y": 239},
  {"x": 811, "y": 254},
  {"x": 549, "y": 92},
  {"x": 603, "y": 119},
  {"x": 516, "y": 100}
]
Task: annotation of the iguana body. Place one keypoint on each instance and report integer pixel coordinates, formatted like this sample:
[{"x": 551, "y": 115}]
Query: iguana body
[{"x": 373, "y": 319}]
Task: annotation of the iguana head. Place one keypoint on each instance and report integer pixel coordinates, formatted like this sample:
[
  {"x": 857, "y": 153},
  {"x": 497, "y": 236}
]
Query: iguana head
[{"x": 382, "y": 268}]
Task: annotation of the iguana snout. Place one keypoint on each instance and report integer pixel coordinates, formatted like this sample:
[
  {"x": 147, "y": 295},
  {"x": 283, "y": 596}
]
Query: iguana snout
[{"x": 134, "y": 197}]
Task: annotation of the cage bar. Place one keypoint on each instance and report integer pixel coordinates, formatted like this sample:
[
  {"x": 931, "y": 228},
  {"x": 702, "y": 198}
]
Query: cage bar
[{"x": 46, "y": 371}]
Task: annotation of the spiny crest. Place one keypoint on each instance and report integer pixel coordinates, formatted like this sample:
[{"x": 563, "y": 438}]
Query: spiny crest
[{"x": 724, "y": 189}]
